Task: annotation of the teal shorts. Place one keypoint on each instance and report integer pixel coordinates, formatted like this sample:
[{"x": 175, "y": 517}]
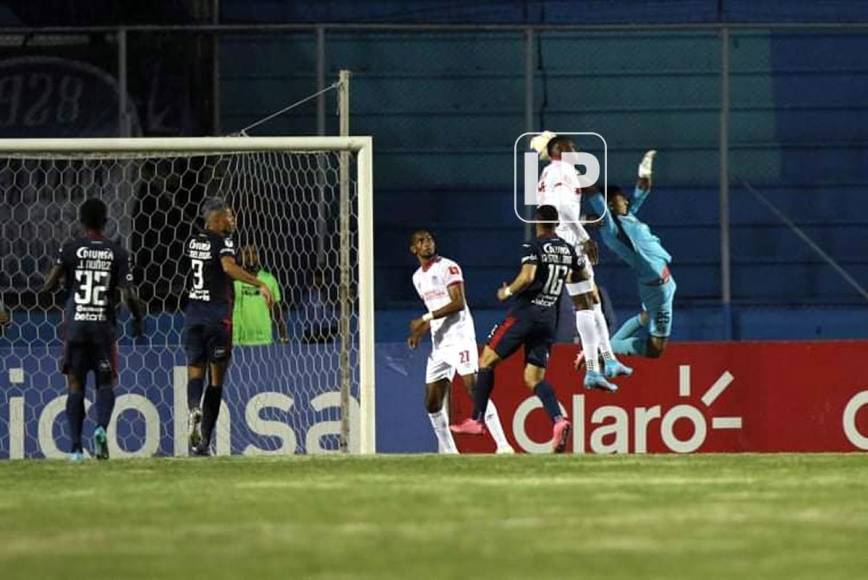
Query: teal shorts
[{"x": 657, "y": 301}]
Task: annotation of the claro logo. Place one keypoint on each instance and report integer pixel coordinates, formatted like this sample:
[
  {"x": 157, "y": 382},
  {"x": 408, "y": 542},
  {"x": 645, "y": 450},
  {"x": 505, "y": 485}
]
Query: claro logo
[
  {"x": 609, "y": 428},
  {"x": 851, "y": 429}
]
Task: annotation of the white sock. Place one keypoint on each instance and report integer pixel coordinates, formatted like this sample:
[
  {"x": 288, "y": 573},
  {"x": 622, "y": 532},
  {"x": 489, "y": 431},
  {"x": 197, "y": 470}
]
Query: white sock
[
  {"x": 603, "y": 332},
  {"x": 492, "y": 421},
  {"x": 440, "y": 423},
  {"x": 586, "y": 324}
]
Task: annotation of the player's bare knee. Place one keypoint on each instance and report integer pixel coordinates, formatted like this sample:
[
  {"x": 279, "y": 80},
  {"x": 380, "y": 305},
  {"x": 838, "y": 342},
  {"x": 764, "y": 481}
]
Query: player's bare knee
[
  {"x": 488, "y": 359},
  {"x": 75, "y": 384},
  {"x": 533, "y": 376},
  {"x": 656, "y": 347},
  {"x": 105, "y": 375},
  {"x": 435, "y": 393},
  {"x": 469, "y": 383}
]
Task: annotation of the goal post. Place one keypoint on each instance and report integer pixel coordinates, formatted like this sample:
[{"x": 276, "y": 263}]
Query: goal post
[{"x": 282, "y": 398}]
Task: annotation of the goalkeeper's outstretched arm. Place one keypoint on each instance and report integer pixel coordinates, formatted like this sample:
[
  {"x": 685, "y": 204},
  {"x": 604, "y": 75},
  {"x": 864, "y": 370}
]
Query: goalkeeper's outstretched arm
[{"x": 640, "y": 194}]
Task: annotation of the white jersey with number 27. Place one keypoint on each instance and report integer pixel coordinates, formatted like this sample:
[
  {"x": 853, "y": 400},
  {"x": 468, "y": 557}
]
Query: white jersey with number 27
[{"x": 432, "y": 283}]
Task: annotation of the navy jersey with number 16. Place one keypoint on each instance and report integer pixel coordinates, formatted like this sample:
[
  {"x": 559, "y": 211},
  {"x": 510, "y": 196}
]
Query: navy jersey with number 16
[
  {"x": 209, "y": 288},
  {"x": 554, "y": 259}
]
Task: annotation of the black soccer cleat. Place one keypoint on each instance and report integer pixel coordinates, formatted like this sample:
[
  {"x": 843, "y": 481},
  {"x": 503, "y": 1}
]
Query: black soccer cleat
[{"x": 201, "y": 450}]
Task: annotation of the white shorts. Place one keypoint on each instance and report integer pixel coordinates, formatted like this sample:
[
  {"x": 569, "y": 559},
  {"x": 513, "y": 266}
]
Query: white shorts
[{"x": 445, "y": 361}]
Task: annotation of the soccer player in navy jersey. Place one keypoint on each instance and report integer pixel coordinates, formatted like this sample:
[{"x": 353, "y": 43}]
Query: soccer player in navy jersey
[
  {"x": 94, "y": 271},
  {"x": 547, "y": 262},
  {"x": 210, "y": 254}
]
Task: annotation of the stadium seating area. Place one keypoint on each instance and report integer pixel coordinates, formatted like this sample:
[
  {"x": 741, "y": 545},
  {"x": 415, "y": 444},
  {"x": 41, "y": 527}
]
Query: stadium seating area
[{"x": 445, "y": 107}]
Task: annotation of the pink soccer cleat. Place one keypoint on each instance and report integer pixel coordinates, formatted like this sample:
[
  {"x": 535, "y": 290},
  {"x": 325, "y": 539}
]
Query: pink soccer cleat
[
  {"x": 560, "y": 435},
  {"x": 469, "y": 427}
]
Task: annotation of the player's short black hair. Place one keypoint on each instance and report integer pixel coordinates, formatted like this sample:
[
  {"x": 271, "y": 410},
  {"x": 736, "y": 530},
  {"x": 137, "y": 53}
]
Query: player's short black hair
[
  {"x": 93, "y": 214},
  {"x": 613, "y": 190},
  {"x": 418, "y": 231},
  {"x": 547, "y": 215},
  {"x": 212, "y": 204},
  {"x": 556, "y": 140}
]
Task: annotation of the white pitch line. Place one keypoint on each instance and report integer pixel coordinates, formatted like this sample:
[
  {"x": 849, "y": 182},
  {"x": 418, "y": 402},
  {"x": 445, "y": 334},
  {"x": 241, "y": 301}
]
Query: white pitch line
[
  {"x": 726, "y": 423},
  {"x": 717, "y": 388}
]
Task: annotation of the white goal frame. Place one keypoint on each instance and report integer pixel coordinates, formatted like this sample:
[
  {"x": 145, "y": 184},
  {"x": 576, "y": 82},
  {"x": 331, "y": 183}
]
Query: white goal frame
[{"x": 362, "y": 146}]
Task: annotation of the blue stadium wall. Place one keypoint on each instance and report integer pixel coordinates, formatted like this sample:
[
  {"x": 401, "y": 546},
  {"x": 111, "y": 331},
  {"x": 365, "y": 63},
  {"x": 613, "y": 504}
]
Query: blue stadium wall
[{"x": 444, "y": 109}]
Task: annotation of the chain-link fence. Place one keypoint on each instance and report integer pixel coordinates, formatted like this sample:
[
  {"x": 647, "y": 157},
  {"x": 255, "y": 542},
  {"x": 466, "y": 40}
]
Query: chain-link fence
[{"x": 754, "y": 124}]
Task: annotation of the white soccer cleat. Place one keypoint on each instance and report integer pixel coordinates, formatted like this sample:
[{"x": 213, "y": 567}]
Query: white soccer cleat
[{"x": 645, "y": 167}]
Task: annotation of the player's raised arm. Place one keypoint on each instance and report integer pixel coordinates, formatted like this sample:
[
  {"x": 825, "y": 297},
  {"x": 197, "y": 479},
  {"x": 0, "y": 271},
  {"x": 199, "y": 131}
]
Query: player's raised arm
[
  {"x": 52, "y": 279},
  {"x": 525, "y": 276},
  {"x": 279, "y": 322},
  {"x": 643, "y": 184},
  {"x": 236, "y": 272}
]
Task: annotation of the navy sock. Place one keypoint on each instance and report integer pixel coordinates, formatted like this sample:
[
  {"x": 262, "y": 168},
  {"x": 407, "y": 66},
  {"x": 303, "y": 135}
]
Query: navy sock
[
  {"x": 546, "y": 394},
  {"x": 194, "y": 393},
  {"x": 482, "y": 392},
  {"x": 105, "y": 405},
  {"x": 75, "y": 417},
  {"x": 210, "y": 410}
]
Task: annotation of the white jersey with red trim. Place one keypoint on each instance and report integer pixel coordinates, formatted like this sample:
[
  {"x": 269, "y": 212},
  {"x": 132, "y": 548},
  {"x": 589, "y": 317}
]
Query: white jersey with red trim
[
  {"x": 559, "y": 186},
  {"x": 432, "y": 283}
]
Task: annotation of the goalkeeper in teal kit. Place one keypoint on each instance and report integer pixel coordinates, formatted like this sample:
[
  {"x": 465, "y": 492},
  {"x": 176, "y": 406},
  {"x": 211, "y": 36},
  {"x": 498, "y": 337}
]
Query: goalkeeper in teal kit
[{"x": 647, "y": 333}]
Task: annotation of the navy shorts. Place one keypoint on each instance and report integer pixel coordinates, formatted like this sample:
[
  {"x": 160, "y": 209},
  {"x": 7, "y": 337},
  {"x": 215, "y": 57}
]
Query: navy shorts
[
  {"x": 535, "y": 335},
  {"x": 88, "y": 348},
  {"x": 207, "y": 343}
]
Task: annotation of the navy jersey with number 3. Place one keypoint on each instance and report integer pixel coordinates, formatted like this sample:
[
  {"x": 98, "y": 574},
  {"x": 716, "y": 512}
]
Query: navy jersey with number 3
[
  {"x": 93, "y": 269},
  {"x": 209, "y": 288}
]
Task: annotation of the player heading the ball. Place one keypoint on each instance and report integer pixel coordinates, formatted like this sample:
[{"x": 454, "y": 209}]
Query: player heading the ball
[{"x": 559, "y": 186}]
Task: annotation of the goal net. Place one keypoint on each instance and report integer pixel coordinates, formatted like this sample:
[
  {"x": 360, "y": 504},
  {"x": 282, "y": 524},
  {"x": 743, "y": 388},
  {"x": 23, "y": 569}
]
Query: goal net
[{"x": 303, "y": 206}]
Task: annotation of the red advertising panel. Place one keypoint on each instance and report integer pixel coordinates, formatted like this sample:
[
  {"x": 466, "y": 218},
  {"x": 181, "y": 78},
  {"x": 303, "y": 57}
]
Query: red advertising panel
[{"x": 699, "y": 397}]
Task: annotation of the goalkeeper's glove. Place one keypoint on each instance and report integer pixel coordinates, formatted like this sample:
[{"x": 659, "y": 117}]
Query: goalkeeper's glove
[{"x": 647, "y": 165}]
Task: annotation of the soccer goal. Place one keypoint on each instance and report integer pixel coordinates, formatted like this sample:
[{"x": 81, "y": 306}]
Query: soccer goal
[{"x": 303, "y": 205}]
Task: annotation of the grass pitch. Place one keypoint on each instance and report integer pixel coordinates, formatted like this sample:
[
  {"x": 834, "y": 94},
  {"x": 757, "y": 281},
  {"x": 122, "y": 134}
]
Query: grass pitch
[{"x": 415, "y": 517}]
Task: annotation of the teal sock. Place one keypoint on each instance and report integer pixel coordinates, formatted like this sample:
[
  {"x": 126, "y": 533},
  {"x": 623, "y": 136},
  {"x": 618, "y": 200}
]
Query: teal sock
[
  {"x": 636, "y": 346},
  {"x": 628, "y": 329}
]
